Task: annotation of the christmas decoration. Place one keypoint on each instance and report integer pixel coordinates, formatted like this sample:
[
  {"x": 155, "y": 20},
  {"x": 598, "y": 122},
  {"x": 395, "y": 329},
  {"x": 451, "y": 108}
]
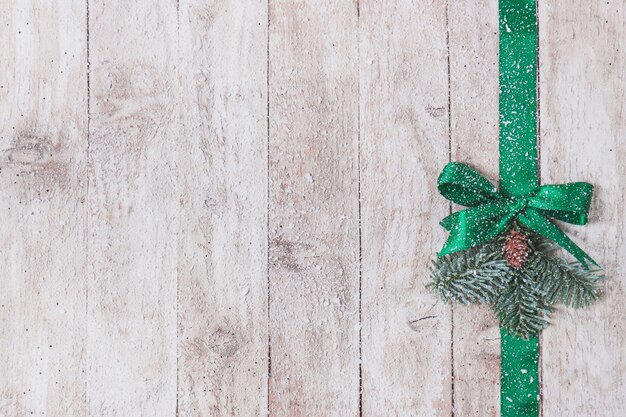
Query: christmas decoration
[
  {"x": 504, "y": 248},
  {"x": 520, "y": 276},
  {"x": 516, "y": 249}
]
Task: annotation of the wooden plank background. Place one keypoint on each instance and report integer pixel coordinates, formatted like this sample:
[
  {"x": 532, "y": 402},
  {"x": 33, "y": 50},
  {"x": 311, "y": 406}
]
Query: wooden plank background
[{"x": 227, "y": 207}]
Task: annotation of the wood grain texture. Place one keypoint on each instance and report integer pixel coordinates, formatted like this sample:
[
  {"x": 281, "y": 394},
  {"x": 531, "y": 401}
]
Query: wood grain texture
[
  {"x": 313, "y": 209},
  {"x": 43, "y": 183},
  {"x": 404, "y": 142},
  {"x": 222, "y": 167},
  {"x": 583, "y": 124},
  {"x": 474, "y": 110},
  {"x": 198, "y": 192},
  {"x": 133, "y": 209}
]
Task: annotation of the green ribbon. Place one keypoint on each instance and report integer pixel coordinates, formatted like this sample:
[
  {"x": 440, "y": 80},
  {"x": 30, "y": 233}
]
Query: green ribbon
[
  {"x": 520, "y": 197},
  {"x": 519, "y": 179},
  {"x": 519, "y": 391},
  {"x": 519, "y": 376},
  {"x": 491, "y": 211}
]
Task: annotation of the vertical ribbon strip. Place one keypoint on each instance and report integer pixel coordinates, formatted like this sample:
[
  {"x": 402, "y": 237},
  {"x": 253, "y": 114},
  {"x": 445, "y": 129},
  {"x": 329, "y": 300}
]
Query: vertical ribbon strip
[
  {"x": 519, "y": 392},
  {"x": 518, "y": 97},
  {"x": 519, "y": 376}
]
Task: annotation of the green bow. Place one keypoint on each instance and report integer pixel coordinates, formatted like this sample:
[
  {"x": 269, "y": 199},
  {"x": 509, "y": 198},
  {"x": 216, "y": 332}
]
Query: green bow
[{"x": 490, "y": 212}]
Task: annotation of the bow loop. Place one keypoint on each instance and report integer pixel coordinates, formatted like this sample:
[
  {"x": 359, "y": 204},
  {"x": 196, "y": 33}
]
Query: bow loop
[
  {"x": 463, "y": 185},
  {"x": 566, "y": 202},
  {"x": 490, "y": 212}
]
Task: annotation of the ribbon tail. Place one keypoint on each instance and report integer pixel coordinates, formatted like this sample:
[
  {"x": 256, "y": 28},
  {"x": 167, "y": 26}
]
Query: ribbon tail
[
  {"x": 474, "y": 226},
  {"x": 545, "y": 227}
]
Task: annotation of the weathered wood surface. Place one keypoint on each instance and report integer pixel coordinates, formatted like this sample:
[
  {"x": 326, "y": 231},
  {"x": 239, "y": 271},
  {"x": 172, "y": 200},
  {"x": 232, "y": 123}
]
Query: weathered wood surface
[
  {"x": 583, "y": 125},
  {"x": 133, "y": 203},
  {"x": 473, "y": 28},
  {"x": 43, "y": 192},
  {"x": 313, "y": 224},
  {"x": 404, "y": 142},
  {"x": 222, "y": 171},
  {"x": 226, "y": 208}
]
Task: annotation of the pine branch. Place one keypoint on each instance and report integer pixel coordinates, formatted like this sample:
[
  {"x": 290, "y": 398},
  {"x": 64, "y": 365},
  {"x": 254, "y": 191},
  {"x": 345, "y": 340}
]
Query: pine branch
[
  {"x": 475, "y": 275},
  {"x": 520, "y": 307},
  {"x": 568, "y": 283},
  {"x": 521, "y": 296}
]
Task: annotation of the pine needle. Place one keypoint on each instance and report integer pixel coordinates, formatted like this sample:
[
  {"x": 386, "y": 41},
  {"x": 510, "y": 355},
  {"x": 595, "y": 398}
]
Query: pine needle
[
  {"x": 473, "y": 276},
  {"x": 568, "y": 283},
  {"x": 522, "y": 297},
  {"x": 520, "y": 307}
]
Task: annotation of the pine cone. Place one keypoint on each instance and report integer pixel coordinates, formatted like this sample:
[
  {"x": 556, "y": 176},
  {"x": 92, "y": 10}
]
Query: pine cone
[{"x": 516, "y": 249}]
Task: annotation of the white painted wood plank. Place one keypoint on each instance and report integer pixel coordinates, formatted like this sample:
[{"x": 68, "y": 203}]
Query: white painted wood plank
[
  {"x": 404, "y": 135},
  {"x": 474, "y": 140},
  {"x": 43, "y": 183},
  {"x": 133, "y": 209},
  {"x": 583, "y": 127},
  {"x": 222, "y": 369},
  {"x": 313, "y": 222}
]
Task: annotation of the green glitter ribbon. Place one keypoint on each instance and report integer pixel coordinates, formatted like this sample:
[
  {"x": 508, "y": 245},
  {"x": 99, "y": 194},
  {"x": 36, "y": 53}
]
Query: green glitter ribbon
[
  {"x": 519, "y": 376},
  {"x": 519, "y": 392},
  {"x": 491, "y": 211},
  {"x": 520, "y": 196}
]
